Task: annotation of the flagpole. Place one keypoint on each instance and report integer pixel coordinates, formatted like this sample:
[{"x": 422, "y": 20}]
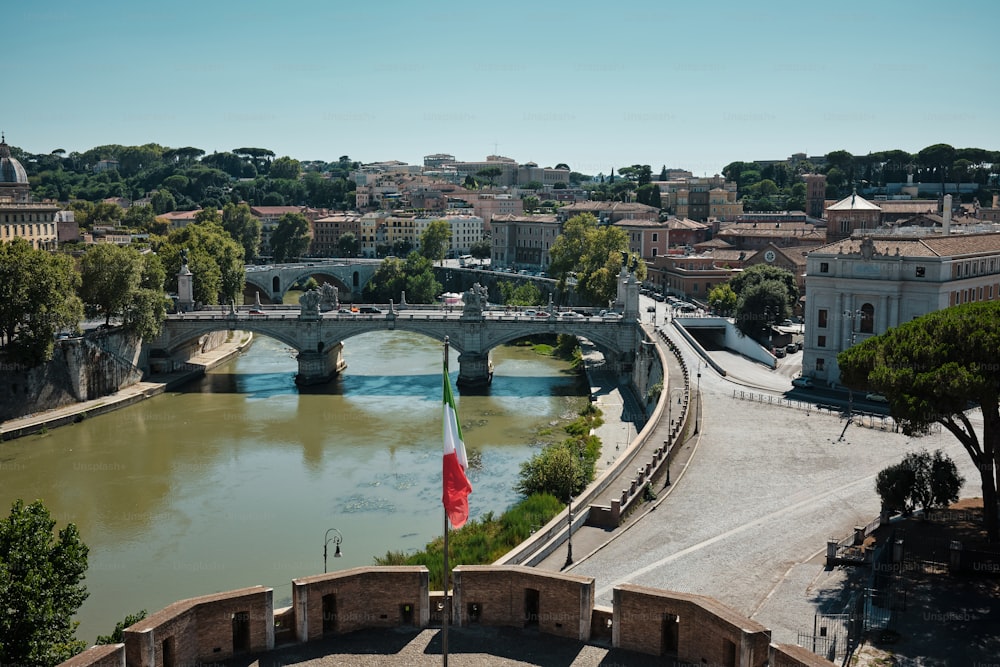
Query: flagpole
[{"x": 447, "y": 599}]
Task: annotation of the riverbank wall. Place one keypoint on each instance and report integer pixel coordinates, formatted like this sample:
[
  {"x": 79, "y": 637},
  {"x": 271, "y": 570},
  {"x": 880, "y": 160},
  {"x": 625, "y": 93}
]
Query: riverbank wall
[{"x": 65, "y": 390}]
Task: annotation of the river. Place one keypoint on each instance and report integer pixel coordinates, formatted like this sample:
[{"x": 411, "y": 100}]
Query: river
[{"x": 234, "y": 480}]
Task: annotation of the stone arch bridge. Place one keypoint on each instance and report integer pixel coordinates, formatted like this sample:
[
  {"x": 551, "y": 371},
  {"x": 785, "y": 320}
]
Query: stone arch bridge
[
  {"x": 272, "y": 281},
  {"x": 319, "y": 337}
]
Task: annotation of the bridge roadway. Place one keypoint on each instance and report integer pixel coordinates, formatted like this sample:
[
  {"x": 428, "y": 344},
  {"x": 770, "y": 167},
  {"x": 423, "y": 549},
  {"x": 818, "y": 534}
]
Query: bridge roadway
[{"x": 319, "y": 336}]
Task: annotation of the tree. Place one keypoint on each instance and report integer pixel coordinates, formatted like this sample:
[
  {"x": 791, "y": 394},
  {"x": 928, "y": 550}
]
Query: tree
[
  {"x": 639, "y": 174},
  {"x": 215, "y": 259},
  {"x": 41, "y": 587},
  {"x": 348, "y": 244},
  {"x": 290, "y": 238},
  {"x": 722, "y": 299},
  {"x": 940, "y": 157},
  {"x": 435, "y": 240},
  {"x": 524, "y": 294},
  {"x": 244, "y": 227},
  {"x": 594, "y": 253},
  {"x": 931, "y": 370},
  {"x": 481, "y": 249},
  {"x": 109, "y": 275},
  {"x": 162, "y": 202},
  {"x": 394, "y": 276},
  {"x": 759, "y": 273},
  {"x": 530, "y": 203},
  {"x": 490, "y": 174},
  {"x": 118, "y": 635},
  {"x": 207, "y": 215},
  {"x": 759, "y": 305},
  {"x": 285, "y": 167},
  {"x": 919, "y": 481},
  {"x": 37, "y": 299}
]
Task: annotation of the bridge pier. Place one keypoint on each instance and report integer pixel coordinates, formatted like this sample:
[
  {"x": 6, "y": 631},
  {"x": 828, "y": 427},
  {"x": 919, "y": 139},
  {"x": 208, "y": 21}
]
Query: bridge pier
[
  {"x": 474, "y": 369},
  {"x": 319, "y": 367}
]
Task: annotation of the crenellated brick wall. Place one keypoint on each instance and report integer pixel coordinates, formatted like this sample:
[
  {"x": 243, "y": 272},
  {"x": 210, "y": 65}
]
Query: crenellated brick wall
[
  {"x": 689, "y": 628},
  {"x": 686, "y": 628},
  {"x": 518, "y": 596}
]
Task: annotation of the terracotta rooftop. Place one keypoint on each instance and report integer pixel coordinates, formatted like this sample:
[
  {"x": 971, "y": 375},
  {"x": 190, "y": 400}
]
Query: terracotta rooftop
[{"x": 954, "y": 245}]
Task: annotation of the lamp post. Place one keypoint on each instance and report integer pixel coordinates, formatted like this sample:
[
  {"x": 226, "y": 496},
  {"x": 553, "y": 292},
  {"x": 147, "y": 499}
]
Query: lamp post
[
  {"x": 336, "y": 539},
  {"x": 852, "y": 316},
  {"x": 569, "y": 519},
  {"x": 697, "y": 400}
]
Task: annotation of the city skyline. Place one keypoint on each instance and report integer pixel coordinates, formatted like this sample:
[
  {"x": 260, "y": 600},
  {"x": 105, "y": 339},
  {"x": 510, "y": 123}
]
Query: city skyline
[{"x": 596, "y": 89}]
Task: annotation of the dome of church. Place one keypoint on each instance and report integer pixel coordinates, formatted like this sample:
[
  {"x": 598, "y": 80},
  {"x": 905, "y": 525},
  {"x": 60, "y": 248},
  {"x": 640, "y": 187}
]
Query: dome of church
[{"x": 11, "y": 171}]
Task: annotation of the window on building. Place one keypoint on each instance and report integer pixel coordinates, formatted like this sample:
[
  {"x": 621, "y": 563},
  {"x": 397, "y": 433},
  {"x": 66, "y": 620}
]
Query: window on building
[
  {"x": 821, "y": 341},
  {"x": 820, "y": 364},
  {"x": 824, "y": 267},
  {"x": 821, "y": 318},
  {"x": 867, "y": 318},
  {"x": 921, "y": 271}
]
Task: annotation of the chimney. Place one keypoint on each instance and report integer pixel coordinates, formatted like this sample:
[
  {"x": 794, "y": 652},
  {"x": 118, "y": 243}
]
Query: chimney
[{"x": 946, "y": 214}]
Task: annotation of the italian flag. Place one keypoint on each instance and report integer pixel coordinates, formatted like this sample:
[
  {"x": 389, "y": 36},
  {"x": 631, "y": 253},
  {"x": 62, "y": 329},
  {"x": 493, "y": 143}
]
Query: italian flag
[{"x": 456, "y": 484}]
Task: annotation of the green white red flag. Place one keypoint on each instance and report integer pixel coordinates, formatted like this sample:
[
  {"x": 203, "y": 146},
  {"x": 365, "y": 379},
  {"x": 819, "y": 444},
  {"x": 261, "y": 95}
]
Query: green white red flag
[{"x": 456, "y": 484}]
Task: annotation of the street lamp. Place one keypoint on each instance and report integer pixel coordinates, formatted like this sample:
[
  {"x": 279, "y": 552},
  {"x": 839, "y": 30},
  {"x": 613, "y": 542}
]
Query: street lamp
[
  {"x": 569, "y": 521},
  {"x": 852, "y": 316},
  {"x": 336, "y": 539},
  {"x": 697, "y": 400}
]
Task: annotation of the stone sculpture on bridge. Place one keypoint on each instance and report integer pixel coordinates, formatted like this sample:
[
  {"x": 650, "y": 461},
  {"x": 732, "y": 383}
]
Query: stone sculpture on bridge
[
  {"x": 309, "y": 301},
  {"x": 331, "y": 297},
  {"x": 475, "y": 299}
]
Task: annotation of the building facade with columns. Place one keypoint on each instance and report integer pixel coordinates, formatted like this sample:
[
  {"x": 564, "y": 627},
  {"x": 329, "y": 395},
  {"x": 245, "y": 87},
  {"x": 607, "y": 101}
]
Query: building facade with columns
[
  {"x": 860, "y": 287},
  {"x": 20, "y": 216}
]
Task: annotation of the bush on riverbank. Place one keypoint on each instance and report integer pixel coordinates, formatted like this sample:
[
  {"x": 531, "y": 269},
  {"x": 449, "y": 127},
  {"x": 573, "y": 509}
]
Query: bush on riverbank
[
  {"x": 481, "y": 541},
  {"x": 565, "y": 468}
]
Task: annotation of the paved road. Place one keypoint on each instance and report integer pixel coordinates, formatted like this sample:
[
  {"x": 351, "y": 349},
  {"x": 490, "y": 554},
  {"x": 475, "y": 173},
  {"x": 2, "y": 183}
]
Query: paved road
[{"x": 749, "y": 521}]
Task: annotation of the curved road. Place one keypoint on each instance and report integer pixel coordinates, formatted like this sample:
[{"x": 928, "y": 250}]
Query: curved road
[{"x": 749, "y": 521}]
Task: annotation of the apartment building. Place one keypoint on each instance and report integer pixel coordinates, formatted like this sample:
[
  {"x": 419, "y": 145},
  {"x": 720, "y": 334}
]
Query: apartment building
[
  {"x": 523, "y": 241},
  {"x": 647, "y": 238}
]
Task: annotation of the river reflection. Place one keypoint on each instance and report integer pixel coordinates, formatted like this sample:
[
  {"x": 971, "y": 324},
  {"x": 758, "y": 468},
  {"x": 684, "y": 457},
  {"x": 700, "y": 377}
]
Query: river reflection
[{"x": 233, "y": 481}]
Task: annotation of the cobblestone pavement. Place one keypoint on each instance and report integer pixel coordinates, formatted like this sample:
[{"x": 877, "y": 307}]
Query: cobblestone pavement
[{"x": 467, "y": 647}]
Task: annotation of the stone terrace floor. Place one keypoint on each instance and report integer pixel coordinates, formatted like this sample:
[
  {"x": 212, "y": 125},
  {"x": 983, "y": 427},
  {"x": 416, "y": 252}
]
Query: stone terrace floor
[{"x": 467, "y": 647}]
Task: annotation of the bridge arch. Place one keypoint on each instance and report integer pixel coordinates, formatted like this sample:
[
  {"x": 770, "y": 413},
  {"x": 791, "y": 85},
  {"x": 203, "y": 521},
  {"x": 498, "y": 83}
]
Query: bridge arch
[{"x": 319, "y": 339}]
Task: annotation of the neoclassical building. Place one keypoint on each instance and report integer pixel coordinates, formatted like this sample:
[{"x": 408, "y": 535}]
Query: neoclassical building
[
  {"x": 20, "y": 217},
  {"x": 860, "y": 287}
]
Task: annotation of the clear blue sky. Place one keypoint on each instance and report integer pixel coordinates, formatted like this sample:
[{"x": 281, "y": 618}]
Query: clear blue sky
[{"x": 597, "y": 85}]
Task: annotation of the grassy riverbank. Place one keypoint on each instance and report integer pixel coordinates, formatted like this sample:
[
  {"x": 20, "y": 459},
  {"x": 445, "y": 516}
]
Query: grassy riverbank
[{"x": 562, "y": 467}]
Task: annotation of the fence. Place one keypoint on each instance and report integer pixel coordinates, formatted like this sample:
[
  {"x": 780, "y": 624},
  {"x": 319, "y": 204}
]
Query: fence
[{"x": 863, "y": 419}]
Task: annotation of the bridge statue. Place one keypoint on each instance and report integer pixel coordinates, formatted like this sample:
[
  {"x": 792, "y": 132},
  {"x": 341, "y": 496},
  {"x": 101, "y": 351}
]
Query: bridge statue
[
  {"x": 475, "y": 299},
  {"x": 331, "y": 297},
  {"x": 309, "y": 301}
]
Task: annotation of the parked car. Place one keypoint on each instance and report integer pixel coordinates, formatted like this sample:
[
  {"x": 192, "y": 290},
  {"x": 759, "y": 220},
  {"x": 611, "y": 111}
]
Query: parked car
[
  {"x": 878, "y": 398},
  {"x": 791, "y": 348},
  {"x": 779, "y": 352},
  {"x": 803, "y": 383}
]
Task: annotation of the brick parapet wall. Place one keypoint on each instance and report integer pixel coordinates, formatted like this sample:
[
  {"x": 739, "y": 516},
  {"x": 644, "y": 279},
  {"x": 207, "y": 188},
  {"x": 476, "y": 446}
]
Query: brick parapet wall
[
  {"x": 705, "y": 631},
  {"x": 201, "y": 630},
  {"x": 358, "y": 598},
  {"x": 490, "y": 595}
]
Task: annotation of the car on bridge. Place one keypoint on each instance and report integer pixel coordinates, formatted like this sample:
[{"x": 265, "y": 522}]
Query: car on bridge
[
  {"x": 369, "y": 310},
  {"x": 570, "y": 315},
  {"x": 256, "y": 311}
]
